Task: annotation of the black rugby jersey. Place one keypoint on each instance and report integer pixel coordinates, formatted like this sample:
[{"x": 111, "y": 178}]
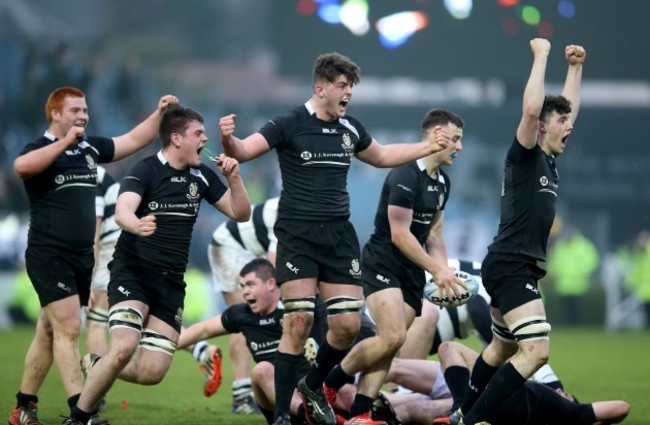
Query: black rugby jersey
[
  {"x": 174, "y": 197},
  {"x": 528, "y": 196},
  {"x": 538, "y": 404},
  {"x": 315, "y": 158},
  {"x": 105, "y": 200},
  {"x": 262, "y": 332},
  {"x": 410, "y": 186},
  {"x": 61, "y": 198}
]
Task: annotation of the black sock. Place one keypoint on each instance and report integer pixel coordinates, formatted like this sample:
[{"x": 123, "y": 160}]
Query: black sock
[
  {"x": 80, "y": 415},
  {"x": 326, "y": 359},
  {"x": 481, "y": 375},
  {"x": 457, "y": 378},
  {"x": 505, "y": 382},
  {"x": 23, "y": 400},
  {"x": 337, "y": 378},
  {"x": 72, "y": 400},
  {"x": 286, "y": 377},
  {"x": 362, "y": 404}
]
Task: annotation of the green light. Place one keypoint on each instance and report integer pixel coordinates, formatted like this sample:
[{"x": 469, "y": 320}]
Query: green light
[{"x": 530, "y": 15}]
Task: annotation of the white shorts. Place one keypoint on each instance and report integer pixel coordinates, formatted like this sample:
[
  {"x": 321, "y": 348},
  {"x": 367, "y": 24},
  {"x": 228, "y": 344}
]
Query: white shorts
[
  {"x": 226, "y": 261},
  {"x": 101, "y": 275},
  {"x": 439, "y": 389}
]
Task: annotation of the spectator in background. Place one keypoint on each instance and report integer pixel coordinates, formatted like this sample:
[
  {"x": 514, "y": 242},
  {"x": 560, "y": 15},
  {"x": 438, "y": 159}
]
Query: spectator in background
[
  {"x": 572, "y": 260},
  {"x": 637, "y": 280}
]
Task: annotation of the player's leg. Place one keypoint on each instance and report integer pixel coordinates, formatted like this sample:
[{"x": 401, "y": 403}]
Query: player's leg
[
  {"x": 97, "y": 323},
  {"x": 527, "y": 325},
  {"x": 420, "y": 335}
]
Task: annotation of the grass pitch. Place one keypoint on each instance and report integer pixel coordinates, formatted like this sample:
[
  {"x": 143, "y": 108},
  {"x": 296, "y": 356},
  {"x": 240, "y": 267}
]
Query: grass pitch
[{"x": 593, "y": 364}]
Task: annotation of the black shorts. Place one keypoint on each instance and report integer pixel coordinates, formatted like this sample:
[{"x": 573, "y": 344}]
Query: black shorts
[
  {"x": 162, "y": 291},
  {"x": 327, "y": 250},
  {"x": 57, "y": 274},
  {"x": 381, "y": 271},
  {"x": 510, "y": 280}
]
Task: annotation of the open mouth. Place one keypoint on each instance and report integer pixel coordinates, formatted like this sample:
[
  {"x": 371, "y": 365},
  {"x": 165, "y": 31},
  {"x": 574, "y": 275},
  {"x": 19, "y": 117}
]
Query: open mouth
[{"x": 344, "y": 103}]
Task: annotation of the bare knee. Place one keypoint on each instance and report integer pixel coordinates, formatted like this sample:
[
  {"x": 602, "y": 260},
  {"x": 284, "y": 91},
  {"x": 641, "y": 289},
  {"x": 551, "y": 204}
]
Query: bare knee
[
  {"x": 345, "y": 328},
  {"x": 151, "y": 373},
  {"x": 263, "y": 372},
  {"x": 392, "y": 341},
  {"x": 298, "y": 324}
]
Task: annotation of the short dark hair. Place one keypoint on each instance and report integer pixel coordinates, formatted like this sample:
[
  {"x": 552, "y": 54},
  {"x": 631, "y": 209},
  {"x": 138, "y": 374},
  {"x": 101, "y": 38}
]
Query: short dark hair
[
  {"x": 439, "y": 116},
  {"x": 330, "y": 65},
  {"x": 176, "y": 119},
  {"x": 262, "y": 268},
  {"x": 557, "y": 103}
]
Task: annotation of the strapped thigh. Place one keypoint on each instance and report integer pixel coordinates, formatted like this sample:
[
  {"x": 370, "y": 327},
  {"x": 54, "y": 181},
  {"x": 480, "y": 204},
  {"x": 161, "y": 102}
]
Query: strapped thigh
[
  {"x": 125, "y": 318},
  {"x": 296, "y": 305},
  {"x": 153, "y": 341},
  {"x": 343, "y": 304},
  {"x": 97, "y": 315},
  {"x": 531, "y": 328},
  {"x": 527, "y": 329}
]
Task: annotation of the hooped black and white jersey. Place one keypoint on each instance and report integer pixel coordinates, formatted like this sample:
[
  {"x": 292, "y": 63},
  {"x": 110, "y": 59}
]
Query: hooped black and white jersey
[
  {"x": 174, "y": 198},
  {"x": 61, "y": 198},
  {"x": 105, "y": 201},
  {"x": 255, "y": 235},
  {"x": 315, "y": 158}
]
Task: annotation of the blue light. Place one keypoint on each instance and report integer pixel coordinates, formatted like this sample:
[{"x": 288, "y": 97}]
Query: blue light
[
  {"x": 393, "y": 42},
  {"x": 566, "y": 9},
  {"x": 330, "y": 13}
]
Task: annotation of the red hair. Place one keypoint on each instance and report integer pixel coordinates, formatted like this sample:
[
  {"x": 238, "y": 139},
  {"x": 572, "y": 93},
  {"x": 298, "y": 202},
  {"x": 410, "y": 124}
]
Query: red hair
[{"x": 57, "y": 97}]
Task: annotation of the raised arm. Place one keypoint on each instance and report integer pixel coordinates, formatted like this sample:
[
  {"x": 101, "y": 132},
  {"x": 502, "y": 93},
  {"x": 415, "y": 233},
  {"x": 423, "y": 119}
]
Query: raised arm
[
  {"x": 235, "y": 202},
  {"x": 534, "y": 94},
  {"x": 144, "y": 133},
  {"x": 575, "y": 56},
  {"x": 393, "y": 155},
  {"x": 242, "y": 150}
]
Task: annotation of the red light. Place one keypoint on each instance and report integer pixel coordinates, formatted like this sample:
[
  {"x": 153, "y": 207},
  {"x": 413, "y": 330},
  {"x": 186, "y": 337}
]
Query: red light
[
  {"x": 510, "y": 26},
  {"x": 545, "y": 29},
  {"x": 306, "y": 7},
  {"x": 508, "y": 3}
]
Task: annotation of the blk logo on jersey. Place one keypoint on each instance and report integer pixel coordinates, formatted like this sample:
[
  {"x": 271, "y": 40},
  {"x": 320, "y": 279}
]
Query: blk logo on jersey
[
  {"x": 532, "y": 288},
  {"x": 293, "y": 268},
  {"x": 383, "y": 279},
  {"x": 65, "y": 287}
]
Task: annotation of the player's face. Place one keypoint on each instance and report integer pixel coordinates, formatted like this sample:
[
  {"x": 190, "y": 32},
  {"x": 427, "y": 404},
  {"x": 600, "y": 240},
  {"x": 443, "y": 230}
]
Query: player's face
[
  {"x": 447, "y": 155},
  {"x": 73, "y": 113},
  {"x": 256, "y": 293},
  {"x": 192, "y": 142},
  {"x": 558, "y": 130},
  {"x": 337, "y": 96}
]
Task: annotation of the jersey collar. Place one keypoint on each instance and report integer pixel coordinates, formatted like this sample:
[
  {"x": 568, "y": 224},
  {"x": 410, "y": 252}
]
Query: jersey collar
[
  {"x": 161, "y": 157},
  {"x": 50, "y": 136},
  {"x": 310, "y": 108}
]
